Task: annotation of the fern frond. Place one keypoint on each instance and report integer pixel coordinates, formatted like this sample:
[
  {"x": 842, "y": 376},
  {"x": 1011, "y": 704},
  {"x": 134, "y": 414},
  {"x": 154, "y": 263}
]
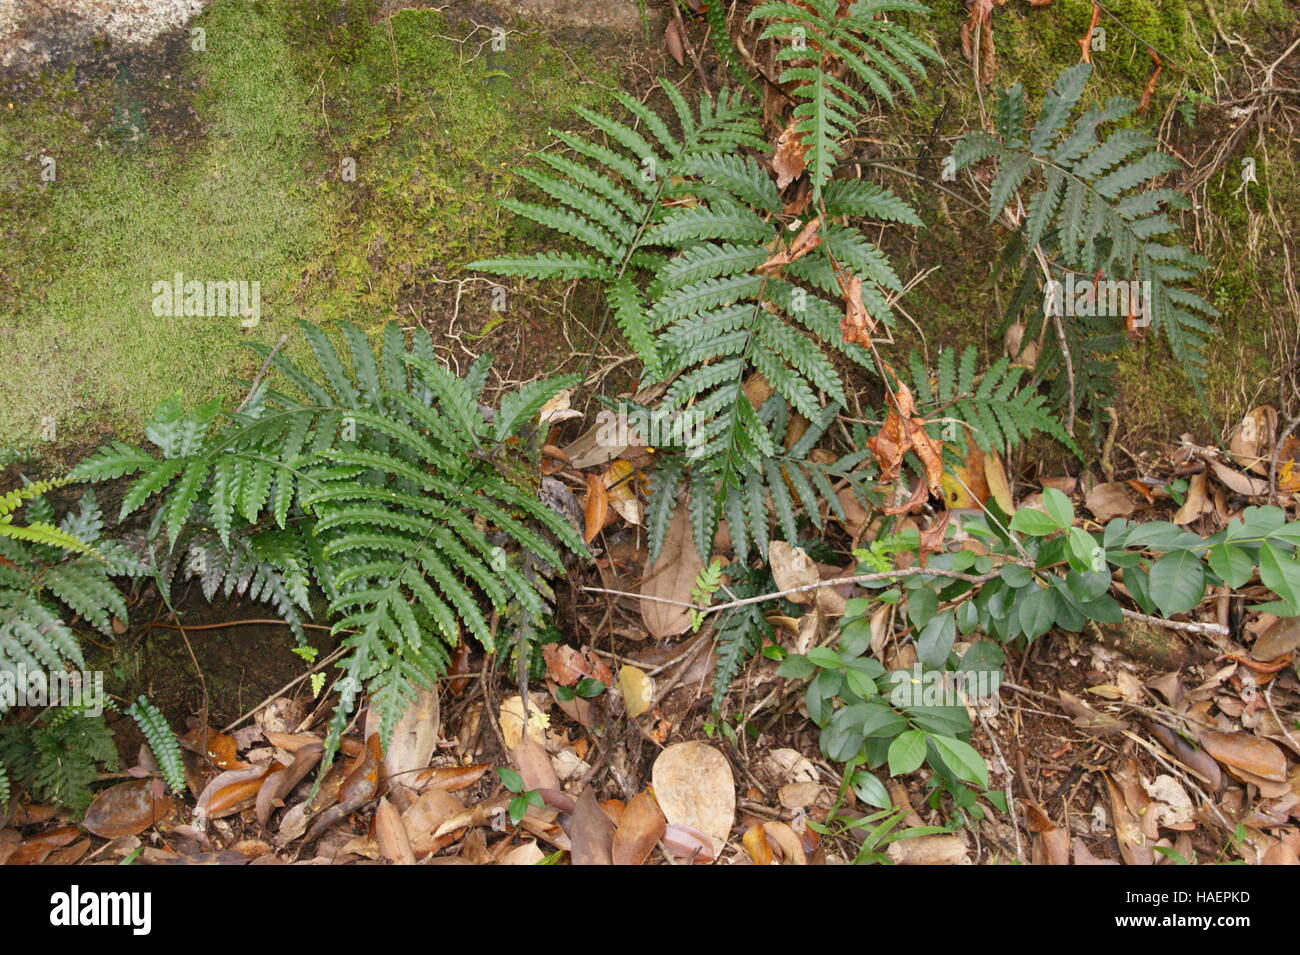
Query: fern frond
[{"x": 162, "y": 742}]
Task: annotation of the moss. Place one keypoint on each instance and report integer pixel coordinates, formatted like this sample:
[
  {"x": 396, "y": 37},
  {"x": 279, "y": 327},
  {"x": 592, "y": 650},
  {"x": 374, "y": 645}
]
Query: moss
[
  {"x": 433, "y": 128},
  {"x": 251, "y": 190},
  {"x": 82, "y": 344}
]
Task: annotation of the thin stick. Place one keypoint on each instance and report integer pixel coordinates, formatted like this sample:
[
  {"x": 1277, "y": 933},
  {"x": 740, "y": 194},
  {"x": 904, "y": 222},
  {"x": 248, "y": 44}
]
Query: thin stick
[
  {"x": 270, "y": 356},
  {"x": 286, "y": 688}
]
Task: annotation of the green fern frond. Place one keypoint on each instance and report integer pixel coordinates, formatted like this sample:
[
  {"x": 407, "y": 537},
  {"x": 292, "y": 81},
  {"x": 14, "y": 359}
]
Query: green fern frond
[
  {"x": 877, "y": 53},
  {"x": 162, "y": 742},
  {"x": 1092, "y": 211}
]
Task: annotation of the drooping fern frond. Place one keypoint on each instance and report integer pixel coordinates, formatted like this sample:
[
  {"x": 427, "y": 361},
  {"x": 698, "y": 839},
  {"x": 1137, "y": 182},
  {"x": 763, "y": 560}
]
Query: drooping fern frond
[
  {"x": 40, "y": 582},
  {"x": 999, "y": 412},
  {"x": 715, "y": 14},
  {"x": 37, "y": 531},
  {"x": 162, "y": 742},
  {"x": 609, "y": 203},
  {"x": 1089, "y": 208},
  {"x": 836, "y": 58},
  {"x": 740, "y": 635},
  {"x": 385, "y": 478}
]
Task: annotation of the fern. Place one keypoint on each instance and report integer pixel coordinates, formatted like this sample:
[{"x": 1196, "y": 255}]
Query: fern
[
  {"x": 683, "y": 260},
  {"x": 162, "y": 742},
  {"x": 819, "y": 36},
  {"x": 37, "y": 531},
  {"x": 57, "y": 757},
  {"x": 40, "y": 582},
  {"x": 999, "y": 413},
  {"x": 1090, "y": 210},
  {"x": 381, "y": 479},
  {"x": 715, "y": 14},
  {"x": 740, "y": 635}
]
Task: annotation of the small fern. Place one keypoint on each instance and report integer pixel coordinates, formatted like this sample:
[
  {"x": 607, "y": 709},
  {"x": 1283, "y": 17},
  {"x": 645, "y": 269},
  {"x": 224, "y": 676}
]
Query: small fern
[
  {"x": 999, "y": 412},
  {"x": 385, "y": 482},
  {"x": 162, "y": 742},
  {"x": 1090, "y": 208},
  {"x": 740, "y": 635},
  {"x": 56, "y": 757},
  {"x": 686, "y": 262}
]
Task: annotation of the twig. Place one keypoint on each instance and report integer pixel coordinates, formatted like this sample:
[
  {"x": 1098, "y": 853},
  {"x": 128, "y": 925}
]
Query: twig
[
  {"x": 1188, "y": 627},
  {"x": 286, "y": 688},
  {"x": 270, "y": 356}
]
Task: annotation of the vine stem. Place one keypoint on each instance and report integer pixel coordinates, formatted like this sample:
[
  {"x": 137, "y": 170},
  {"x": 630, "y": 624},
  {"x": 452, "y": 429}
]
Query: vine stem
[{"x": 1188, "y": 627}]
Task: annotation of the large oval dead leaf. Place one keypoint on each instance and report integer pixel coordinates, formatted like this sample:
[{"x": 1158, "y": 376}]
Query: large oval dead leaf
[
  {"x": 1281, "y": 638},
  {"x": 595, "y": 509},
  {"x": 391, "y": 835},
  {"x": 694, "y": 787},
  {"x": 671, "y": 578},
  {"x": 1246, "y": 753},
  {"x": 414, "y": 738},
  {"x": 1113, "y": 499},
  {"x": 127, "y": 809}
]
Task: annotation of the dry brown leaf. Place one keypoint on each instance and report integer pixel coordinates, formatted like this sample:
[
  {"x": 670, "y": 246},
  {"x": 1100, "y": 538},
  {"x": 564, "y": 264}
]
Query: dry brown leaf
[
  {"x": 929, "y": 850},
  {"x": 423, "y": 818},
  {"x": 391, "y": 835},
  {"x": 1052, "y": 847},
  {"x": 1251, "y": 443},
  {"x": 792, "y": 568},
  {"x": 1281, "y": 638},
  {"x": 688, "y": 844},
  {"x": 900, "y": 433},
  {"x": 673, "y": 41},
  {"x": 803, "y": 243},
  {"x": 590, "y": 832},
  {"x": 857, "y": 326},
  {"x": 639, "y": 830},
  {"x": 127, "y": 809},
  {"x": 511, "y": 717},
  {"x": 1196, "y": 503},
  {"x": 620, "y": 481},
  {"x": 595, "y": 507},
  {"x": 534, "y": 765},
  {"x": 1242, "y": 752},
  {"x": 414, "y": 739},
  {"x": 1133, "y": 844},
  {"x": 995, "y": 476},
  {"x": 788, "y": 161},
  {"x": 1237, "y": 482},
  {"x": 694, "y": 787},
  {"x": 1084, "y": 857},
  {"x": 671, "y": 578},
  {"x": 527, "y": 854},
  {"x": 1110, "y": 500},
  {"x": 1085, "y": 717},
  {"x": 757, "y": 847}
]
